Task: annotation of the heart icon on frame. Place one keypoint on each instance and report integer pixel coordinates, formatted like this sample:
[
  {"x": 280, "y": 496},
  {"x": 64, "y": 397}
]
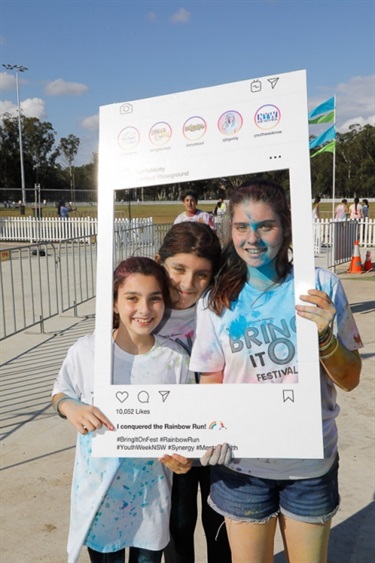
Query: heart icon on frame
[{"x": 122, "y": 396}]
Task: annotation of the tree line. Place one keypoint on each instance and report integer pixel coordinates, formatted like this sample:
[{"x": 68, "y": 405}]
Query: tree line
[
  {"x": 355, "y": 165},
  {"x": 51, "y": 165},
  {"x": 46, "y": 163}
]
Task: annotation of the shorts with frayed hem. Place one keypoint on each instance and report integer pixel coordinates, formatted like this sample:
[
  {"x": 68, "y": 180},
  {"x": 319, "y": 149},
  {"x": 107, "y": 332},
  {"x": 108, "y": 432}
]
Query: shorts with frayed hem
[{"x": 247, "y": 498}]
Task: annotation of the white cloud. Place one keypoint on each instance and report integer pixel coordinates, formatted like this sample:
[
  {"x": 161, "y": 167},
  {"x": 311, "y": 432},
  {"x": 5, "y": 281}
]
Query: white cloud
[
  {"x": 8, "y": 81},
  {"x": 60, "y": 87},
  {"x": 7, "y": 107},
  {"x": 90, "y": 123},
  {"x": 361, "y": 121},
  {"x": 181, "y": 16},
  {"x": 34, "y": 107},
  {"x": 150, "y": 16},
  {"x": 356, "y": 97},
  {"x": 31, "y": 107},
  {"x": 354, "y": 101}
]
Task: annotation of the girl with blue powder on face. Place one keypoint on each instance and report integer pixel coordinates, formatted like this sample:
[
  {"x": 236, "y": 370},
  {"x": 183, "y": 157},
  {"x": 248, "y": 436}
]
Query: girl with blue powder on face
[
  {"x": 253, "y": 292},
  {"x": 122, "y": 502},
  {"x": 190, "y": 254}
]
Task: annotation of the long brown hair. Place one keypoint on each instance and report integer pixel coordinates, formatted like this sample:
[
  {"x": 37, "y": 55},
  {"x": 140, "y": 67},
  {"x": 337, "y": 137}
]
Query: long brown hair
[
  {"x": 139, "y": 265},
  {"x": 233, "y": 273}
]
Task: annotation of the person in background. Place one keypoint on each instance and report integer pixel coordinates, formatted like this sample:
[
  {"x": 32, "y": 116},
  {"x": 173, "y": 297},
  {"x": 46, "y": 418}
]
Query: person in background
[
  {"x": 220, "y": 210},
  {"x": 22, "y": 207},
  {"x": 365, "y": 208},
  {"x": 191, "y": 213},
  {"x": 63, "y": 210},
  {"x": 341, "y": 211},
  {"x": 190, "y": 254},
  {"x": 253, "y": 290},
  {"x": 316, "y": 209},
  {"x": 356, "y": 210},
  {"x": 365, "y": 216},
  {"x": 119, "y": 503}
]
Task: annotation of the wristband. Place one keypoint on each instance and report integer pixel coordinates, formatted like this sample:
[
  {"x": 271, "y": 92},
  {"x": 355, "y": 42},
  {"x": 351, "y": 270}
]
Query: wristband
[
  {"x": 327, "y": 344},
  {"x": 325, "y": 335},
  {"x": 60, "y": 401},
  {"x": 331, "y": 353}
]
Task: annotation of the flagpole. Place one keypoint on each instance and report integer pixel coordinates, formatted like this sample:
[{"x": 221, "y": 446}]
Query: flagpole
[{"x": 334, "y": 162}]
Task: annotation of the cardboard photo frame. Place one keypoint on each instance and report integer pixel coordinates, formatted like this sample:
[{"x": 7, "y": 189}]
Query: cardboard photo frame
[{"x": 252, "y": 126}]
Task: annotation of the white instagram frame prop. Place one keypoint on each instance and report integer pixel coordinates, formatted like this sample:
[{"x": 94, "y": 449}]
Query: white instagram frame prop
[{"x": 252, "y": 126}]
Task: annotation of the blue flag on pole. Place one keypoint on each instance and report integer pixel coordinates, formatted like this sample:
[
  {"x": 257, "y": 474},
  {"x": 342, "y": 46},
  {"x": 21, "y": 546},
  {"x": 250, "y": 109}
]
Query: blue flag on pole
[
  {"x": 329, "y": 105},
  {"x": 328, "y": 135}
]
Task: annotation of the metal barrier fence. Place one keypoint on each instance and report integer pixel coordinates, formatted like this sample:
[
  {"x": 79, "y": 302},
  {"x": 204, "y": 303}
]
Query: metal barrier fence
[
  {"x": 41, "y": 280},
  {"x": 55, "y": 229},
  {"x": 336, "y": 239},
  {"x": 365, "y": 232}
]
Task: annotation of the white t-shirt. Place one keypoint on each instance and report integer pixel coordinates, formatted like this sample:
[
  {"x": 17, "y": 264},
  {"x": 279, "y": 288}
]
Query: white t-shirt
[
  {"x": 179, "y": 325},
  {"x": 199, "y": 216},
  {"x": 340, "y": 212},
  {"x": 119, "y": 502},
  {"x": 255, "y": 342}
]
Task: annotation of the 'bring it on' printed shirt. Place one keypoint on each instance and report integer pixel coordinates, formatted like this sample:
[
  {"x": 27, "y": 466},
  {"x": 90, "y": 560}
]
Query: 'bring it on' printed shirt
[{"x": 255, "y": 342}]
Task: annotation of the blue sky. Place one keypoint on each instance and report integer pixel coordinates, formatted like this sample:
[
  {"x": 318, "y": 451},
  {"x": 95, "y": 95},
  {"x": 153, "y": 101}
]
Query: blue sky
[{"x": 84, "y": 54}]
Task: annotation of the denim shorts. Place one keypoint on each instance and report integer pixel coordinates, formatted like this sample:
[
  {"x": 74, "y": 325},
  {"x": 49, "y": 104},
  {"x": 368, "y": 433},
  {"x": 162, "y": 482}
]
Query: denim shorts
[{"x": 252, "y": 499}]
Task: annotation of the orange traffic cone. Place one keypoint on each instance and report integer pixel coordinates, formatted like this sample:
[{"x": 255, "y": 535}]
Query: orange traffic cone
[
  {"x": 355, "y": 264},
  {"x": 368, "y": 262}
]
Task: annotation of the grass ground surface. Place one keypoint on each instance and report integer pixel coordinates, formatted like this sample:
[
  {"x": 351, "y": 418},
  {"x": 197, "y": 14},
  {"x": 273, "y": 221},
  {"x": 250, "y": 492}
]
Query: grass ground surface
[{"x": 161, "y": 212}]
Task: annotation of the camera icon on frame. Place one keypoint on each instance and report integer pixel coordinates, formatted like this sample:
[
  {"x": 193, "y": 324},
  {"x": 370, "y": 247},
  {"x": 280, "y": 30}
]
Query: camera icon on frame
[{"x": 126, "y": 108}]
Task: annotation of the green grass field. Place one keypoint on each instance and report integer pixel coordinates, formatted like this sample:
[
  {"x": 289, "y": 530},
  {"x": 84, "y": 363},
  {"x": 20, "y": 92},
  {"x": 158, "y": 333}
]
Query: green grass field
[{"x": 161, "y": 213}]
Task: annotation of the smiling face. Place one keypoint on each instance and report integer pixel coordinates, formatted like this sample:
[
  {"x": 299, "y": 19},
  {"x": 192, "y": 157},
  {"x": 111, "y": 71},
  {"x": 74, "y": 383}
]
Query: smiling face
[
  {"x": 190, "y": 204},
  {"x": 257, "y": 233},
  {"x": 140, "y": 306},
  {"x": 189, "y": 276}
]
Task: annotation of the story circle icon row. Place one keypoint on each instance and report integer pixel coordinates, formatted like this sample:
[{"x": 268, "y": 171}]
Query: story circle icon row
[{"x": 194, "y": 129}]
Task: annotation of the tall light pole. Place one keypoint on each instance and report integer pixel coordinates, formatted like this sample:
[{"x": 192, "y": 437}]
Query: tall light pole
[{"x": 19, "y": 68}]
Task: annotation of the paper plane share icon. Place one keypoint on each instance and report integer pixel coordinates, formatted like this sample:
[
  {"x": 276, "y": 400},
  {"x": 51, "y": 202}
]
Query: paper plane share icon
[
  {"x": 164, "y": 395},
  {"x": 273, "y": 82}
]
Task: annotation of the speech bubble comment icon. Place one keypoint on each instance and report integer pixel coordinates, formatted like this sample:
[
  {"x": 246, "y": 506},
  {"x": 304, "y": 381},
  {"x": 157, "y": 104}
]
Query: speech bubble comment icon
[
  {"x": 122, "y": 396},
  {"x": 143, "y": 397}
]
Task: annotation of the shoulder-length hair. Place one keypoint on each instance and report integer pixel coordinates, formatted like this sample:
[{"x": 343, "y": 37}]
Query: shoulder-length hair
[
  {"x": 145, "y": 267},
  {"x": 233, "y": 272}
]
